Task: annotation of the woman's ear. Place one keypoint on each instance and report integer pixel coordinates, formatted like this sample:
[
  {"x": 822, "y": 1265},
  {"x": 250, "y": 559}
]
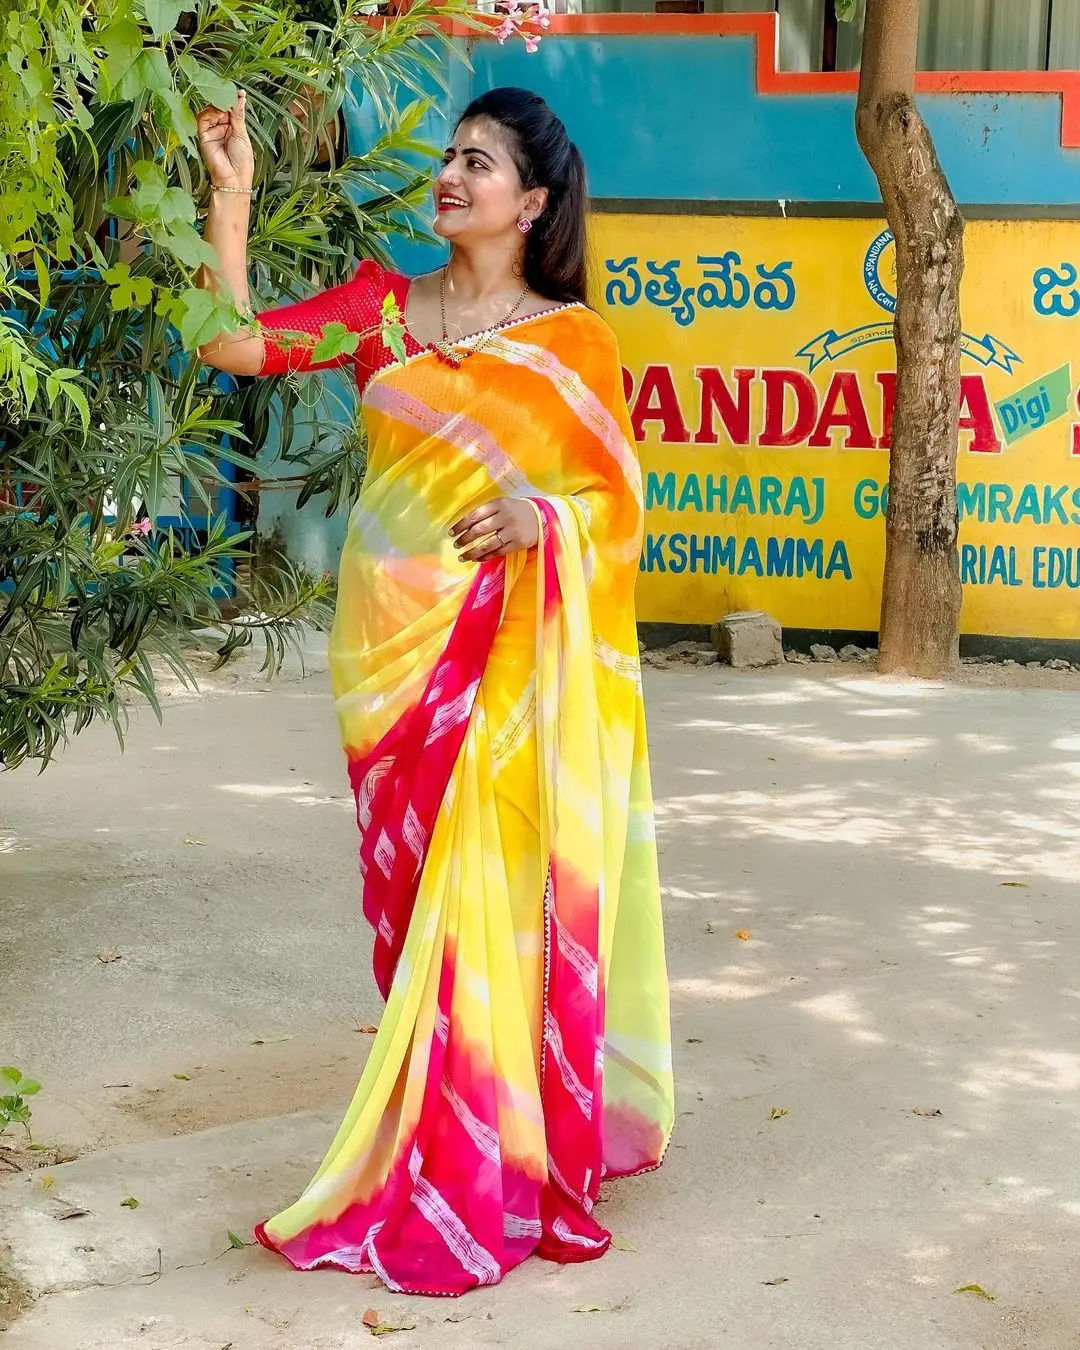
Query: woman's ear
[{"x": 535, "y": 203}]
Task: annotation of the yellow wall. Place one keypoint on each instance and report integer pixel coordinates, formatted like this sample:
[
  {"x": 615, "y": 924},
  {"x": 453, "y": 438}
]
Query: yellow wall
[{"x": 723, "y": 512}]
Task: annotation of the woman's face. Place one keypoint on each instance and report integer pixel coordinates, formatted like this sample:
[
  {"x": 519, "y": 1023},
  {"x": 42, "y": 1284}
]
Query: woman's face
[{"x": 478, "y": 193}]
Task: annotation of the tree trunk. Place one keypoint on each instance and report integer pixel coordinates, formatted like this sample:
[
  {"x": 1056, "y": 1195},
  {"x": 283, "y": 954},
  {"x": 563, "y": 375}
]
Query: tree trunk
[{"x": 921, "y": 594}]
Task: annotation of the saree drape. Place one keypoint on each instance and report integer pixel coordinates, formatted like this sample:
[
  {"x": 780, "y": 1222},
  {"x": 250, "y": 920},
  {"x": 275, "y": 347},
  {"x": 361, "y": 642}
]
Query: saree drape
[{"x": 494, "y": 728}]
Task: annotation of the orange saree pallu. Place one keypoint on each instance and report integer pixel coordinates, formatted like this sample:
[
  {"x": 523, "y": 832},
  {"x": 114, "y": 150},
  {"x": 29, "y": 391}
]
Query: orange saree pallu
[{"x": 494, "y": 727}]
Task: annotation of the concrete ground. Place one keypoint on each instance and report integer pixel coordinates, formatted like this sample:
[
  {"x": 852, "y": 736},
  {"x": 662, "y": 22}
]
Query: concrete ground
[{"x": 904, "y": 858}]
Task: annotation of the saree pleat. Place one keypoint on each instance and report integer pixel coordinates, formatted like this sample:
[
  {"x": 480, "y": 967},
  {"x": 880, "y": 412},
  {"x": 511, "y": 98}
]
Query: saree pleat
[{"x": 495, "y": 734}]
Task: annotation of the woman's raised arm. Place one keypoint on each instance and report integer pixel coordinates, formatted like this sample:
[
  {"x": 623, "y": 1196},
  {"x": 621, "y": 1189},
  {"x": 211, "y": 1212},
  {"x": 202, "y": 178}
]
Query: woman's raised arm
[{"x": 230, "y": 162}]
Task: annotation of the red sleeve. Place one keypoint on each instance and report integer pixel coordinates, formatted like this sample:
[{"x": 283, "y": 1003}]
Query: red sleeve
[{"x": 357, "y": 304}]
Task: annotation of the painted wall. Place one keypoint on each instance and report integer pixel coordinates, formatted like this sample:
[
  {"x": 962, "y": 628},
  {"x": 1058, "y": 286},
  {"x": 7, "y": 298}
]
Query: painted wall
[{"x": 760, "y": 373}]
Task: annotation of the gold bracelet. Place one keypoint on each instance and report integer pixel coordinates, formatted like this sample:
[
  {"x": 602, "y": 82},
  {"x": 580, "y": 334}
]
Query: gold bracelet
[{"x": 246, "y": 191}]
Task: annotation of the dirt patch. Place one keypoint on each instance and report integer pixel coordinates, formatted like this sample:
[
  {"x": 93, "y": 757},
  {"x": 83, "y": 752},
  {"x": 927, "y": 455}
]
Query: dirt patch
[
  {"x": 14, "y": 1296},
  {"x": 277, "y": 1077},
  {"x": 20, "y": 1155}
]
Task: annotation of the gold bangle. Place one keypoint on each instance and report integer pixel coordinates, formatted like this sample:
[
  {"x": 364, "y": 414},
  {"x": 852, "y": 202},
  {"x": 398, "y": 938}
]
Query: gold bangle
[{"x": 246, "y": 191}]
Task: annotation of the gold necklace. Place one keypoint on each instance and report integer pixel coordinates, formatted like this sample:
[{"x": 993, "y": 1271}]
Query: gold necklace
[{"x": 446, "y": 351}]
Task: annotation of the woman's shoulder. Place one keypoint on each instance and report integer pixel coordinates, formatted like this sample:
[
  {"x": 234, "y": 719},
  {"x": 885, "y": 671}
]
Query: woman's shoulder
[
  {"x": 591, "y": 334},
  {"x": 370, "y": 272}
]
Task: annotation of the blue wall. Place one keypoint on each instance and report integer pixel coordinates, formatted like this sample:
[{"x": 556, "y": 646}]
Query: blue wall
[{"x": 680, "y": 117}]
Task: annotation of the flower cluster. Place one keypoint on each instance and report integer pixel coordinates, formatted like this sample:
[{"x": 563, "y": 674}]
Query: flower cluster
[{"x": 524, "y": 20}]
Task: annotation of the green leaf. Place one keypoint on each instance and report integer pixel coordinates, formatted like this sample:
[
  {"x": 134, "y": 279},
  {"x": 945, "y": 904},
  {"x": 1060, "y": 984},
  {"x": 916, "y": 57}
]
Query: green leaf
[
  {"x": 10, "y": 1074},
  {"x": 187, "y": 244},
  {"x": 162, "y": 15},
  {"x": 198, "y": 315},
  {"x": 976, "y": 1289},
  {"x": 151, "y": 191},
  {"x": 218, "y": 92},
  {"x": 176, "y": 114},
  {"x": 238, "y": 1243},
  {"x": 129, "y": 1203},
  {"x": 128, "y": 292},
  {"x": 123, "y": 43},
  {"x": 336, "y": 340},
  {"x": 153, "y": 73},
  {"x": 845, "y": 9},
  {"x": 388, "y": 1328},
  {"x": 621, "y": 1245},
  {"x": 594, "y": 1308},
  {"x": 184, "y": 1077},
  {"x": 29, "y": 1088}
]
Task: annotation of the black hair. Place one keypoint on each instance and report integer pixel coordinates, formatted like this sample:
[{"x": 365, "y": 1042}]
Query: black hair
[{"x": 546, "y": 157}]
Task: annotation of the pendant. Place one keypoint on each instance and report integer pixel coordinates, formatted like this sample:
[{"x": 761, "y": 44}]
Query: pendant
[{"x": 448, "y": 355}]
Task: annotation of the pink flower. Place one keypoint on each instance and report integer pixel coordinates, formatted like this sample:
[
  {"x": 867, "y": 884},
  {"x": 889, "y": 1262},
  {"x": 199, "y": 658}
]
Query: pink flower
[
  {"x": 532, "y": 43},
  {"x": 505, "y": 30},
  {"x": 142, "y": 527}
]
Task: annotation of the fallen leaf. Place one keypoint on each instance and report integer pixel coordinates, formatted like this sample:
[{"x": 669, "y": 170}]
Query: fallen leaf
[
  {"x": 189, "y": 839},
  {"x": 778, "y": 1111},
  {"x": 693, "y": 1040},
  {"x": 74, "y": 1212},
  {"x": 39, "y": 1148},
  {"x": 709, "y": 928},
  {"x": 370, "y": 1318},
  {"x": 184, "y": 1078},
  {"x": 926, "y": 1111},
  {"x": 238, "y": 1243},
  {"x": 593, "y": 1307},
  {"x": 621, "y": 1245},
  {"x": 272, "y": 1040},
  {"x": 109, "y": 955},
  {"x": 115, "y": 1085},
  {"x": 1020, "y": 885},
  {"x": 743, "y": 935},
  {"x": 780, "y": 1279},
  {"x": 366, "y": 1031},
  {"x": 129, "y": 1203},
  {"x": 388, "y": 1328},
  {"x": 977, "y": 1290},
  {"x": 47, "y": 1183}
]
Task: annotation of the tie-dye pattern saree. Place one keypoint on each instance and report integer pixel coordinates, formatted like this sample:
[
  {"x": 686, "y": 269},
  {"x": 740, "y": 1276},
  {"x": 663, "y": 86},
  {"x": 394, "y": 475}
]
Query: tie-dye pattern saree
[{"x": 493, "y": 722}]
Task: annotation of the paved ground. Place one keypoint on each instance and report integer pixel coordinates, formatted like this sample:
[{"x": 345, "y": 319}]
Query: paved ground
[{"x": 905, "y": 859}]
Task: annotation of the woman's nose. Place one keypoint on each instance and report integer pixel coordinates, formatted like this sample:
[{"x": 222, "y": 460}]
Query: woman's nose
[{"x": 449, "y": 177}]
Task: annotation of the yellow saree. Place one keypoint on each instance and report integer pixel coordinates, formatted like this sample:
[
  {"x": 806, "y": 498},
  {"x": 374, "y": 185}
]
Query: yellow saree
[{"x": 493, "y": 722}]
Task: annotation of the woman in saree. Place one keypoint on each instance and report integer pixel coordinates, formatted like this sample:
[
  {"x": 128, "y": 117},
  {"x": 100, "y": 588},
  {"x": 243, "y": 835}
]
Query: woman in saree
[{"x": 484, "y": 662}]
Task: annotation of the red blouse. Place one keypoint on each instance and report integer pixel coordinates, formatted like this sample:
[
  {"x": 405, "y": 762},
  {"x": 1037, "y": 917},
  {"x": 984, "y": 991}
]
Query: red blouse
[{"x": 358, "y": 305}]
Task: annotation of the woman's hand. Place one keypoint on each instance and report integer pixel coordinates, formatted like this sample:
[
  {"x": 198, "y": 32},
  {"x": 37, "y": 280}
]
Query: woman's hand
[
  {"x": 492, "y": 531},
  {"x": 226, "y": 146}
]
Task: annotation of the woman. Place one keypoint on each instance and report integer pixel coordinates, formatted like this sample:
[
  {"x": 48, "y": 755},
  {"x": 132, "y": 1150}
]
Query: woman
[{"x": 484, "y": 663}]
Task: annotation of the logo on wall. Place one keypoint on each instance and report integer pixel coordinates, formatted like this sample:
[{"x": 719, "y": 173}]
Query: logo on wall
[{"x": 879, "y": 277}]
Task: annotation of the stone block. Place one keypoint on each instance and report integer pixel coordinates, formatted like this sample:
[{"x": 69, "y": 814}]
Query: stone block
[
  {"x": 748, "y": 639},
  {"x": 851, "y": 653},
  {"x": 820, "y": 652}
]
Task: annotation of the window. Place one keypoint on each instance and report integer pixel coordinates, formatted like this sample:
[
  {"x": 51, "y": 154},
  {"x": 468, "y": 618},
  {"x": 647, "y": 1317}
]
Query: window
[{"x": 956, "y": 34}]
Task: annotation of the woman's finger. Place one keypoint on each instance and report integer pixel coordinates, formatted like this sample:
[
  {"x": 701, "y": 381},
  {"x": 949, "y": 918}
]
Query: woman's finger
[
  {"x": 475, "y": 518},
  {"x": 494, "y": 544},
  {"x": 480, "y": 531},
  {"x": 483, "y": 552}
]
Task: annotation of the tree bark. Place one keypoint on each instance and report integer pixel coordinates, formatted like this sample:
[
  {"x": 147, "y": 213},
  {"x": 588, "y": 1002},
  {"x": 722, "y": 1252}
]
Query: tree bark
[{"x": 921, "y": 593}]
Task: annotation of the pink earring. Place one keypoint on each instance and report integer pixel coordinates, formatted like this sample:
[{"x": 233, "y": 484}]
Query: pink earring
[{"x": 524, "y": 225}]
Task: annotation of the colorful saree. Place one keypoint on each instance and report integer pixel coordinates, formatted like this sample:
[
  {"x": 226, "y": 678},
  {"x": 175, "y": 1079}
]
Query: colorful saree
[{"x": 493, "y": 722}]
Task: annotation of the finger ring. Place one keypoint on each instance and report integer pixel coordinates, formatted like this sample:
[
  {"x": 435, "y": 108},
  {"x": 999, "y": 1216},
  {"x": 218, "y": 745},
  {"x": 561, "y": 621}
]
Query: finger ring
[{"x": 498, "y": 536}]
